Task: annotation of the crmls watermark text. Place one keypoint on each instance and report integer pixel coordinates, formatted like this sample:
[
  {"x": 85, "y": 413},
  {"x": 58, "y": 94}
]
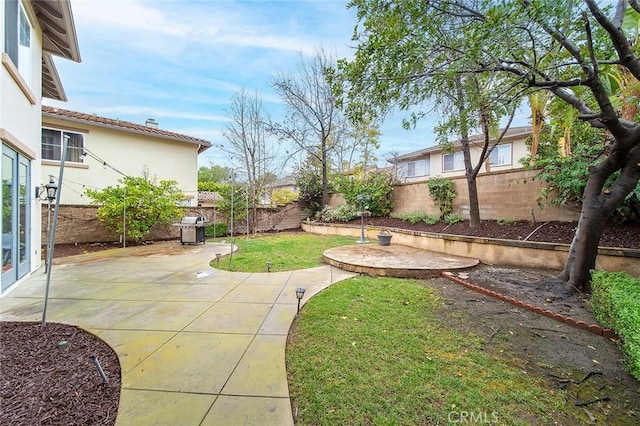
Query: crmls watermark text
[{"x": 472, "y": 417}]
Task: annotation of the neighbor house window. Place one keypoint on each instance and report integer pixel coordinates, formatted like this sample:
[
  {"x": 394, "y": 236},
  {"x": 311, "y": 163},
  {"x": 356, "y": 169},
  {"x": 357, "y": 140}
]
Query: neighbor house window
[
  {"x": 18, "y": 34},
  {"x": 453, "y": 162},
  {"x": 418, "y": 168},
  {"x": 52, "y": 145},
  {"x": 501, "y": 155}
]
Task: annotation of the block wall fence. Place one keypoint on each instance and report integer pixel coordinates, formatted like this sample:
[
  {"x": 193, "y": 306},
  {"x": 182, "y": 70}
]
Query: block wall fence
[{"x": 505, "y": 195}]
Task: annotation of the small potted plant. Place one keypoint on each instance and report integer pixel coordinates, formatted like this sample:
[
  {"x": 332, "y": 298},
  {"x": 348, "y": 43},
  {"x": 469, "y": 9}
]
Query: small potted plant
[{"x": 384, "y": 237}]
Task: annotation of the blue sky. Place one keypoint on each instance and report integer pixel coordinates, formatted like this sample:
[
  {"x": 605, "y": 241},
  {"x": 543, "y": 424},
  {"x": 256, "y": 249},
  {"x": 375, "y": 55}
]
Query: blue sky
[{"x": 180, "y": 61}]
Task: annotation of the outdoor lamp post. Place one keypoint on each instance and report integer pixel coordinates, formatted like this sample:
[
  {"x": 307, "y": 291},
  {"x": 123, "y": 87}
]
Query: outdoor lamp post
[
  {"x": 52, "y": 189},
  {"x": 361, "y": 199},
  {"x": 299, "y": 295}
]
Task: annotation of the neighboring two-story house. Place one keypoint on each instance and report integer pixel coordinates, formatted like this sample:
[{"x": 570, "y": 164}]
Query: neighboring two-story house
[
  {"x": 101, "y": 151},
  {"x": 420, "y": 165},
  {"x": 32, "y": 31}
]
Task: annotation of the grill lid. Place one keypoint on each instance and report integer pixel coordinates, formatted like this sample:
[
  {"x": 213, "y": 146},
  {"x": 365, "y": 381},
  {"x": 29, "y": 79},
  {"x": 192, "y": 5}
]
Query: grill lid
[{"x": 192, "y": 220}]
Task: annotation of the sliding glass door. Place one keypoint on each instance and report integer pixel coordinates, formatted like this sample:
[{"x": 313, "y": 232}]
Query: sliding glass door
[{"x": 16, "y": 216}]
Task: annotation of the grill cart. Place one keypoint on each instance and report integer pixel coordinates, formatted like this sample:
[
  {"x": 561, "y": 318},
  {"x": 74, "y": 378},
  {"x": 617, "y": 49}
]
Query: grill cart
[{"x": 191, "y": 229}]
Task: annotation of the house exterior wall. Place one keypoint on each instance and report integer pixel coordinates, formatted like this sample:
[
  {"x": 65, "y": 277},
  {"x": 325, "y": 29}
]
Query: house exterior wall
[
  {"x": 436, "y": 162},
  {"x": 20, "y": 120},
  {"x": 127, "y": 152}
]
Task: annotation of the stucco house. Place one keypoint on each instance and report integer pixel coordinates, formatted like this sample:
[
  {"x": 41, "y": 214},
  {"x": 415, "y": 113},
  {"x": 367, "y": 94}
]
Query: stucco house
[
  {"x": 32, "y": 31},
  {"x": 102, "y": 151},
  {"x": 432, "y": 161}
]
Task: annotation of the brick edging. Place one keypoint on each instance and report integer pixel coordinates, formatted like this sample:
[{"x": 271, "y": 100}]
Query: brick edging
[{"x": 593, "y": 328}]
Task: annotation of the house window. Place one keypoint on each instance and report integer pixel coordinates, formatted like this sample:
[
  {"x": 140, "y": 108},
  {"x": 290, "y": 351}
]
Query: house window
[
  {"x": 418, "y": 168},
  {"x": 501, "y": 155},
  {"x": 52, "y": 145},
  {"x": 18, "y": 34},
  {"x": 453, "y": 162}
]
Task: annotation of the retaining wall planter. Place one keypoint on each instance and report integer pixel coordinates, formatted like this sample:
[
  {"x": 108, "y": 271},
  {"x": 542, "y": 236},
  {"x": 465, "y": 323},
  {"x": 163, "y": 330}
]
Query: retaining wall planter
[{"x": 490, "y": 251}]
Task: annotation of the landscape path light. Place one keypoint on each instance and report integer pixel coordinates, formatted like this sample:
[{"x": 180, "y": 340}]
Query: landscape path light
[
  {"x": 218, "y": 256},
  {"x": 299, "y": 295},
  {"x": 269, "y": 265}
]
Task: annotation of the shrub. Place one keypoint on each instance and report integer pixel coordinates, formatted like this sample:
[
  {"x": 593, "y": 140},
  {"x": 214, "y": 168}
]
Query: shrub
[
  {"x": 452, "y": 218},
  {"x": 344, "y": 213},
  {"x": 615, "y": 300},
  {"x": 502, "y": 221},
  {"x": 414, "y": 217},
  {"x": 145, "y": 201},
  {"x": 283, "y": 196},
  {"x": 432, "y": 219},
  {"x": 443, "y": 193},
  {"x": 218, "y": 229}
]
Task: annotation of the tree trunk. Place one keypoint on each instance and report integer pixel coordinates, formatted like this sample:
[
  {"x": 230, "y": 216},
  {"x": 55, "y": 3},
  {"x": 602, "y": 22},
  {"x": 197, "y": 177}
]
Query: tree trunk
[
  {"x": 597, "y": 207},
  {"x": 325, "y": 175},
  {"x": 474, "y": 204},
  {"x": 470, "y": 175}
]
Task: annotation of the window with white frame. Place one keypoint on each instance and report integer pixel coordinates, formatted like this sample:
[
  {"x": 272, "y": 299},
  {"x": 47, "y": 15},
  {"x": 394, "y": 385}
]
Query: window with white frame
[
  {"x": 453, "y": 162},
  {"x": 52, "y": 145},
  {"x": 501, "y": 155},
  {"x": 418, "y": 168},
  {"x": 18, "y": 36}
]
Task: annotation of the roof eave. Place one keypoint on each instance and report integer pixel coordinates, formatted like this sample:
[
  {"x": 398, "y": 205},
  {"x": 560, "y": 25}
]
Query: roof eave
[
  {"x": 51, "y": 83},
  {"x": 200, "y": 143}
]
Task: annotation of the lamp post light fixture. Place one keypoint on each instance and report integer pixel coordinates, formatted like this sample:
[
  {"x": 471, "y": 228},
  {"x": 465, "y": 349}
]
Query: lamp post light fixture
[
  {"x": 299, "y": 295},
  {"x": 269, "y": 265},
  {"x": 362, "y": 198},
  {"x": 52, "y": 189}
]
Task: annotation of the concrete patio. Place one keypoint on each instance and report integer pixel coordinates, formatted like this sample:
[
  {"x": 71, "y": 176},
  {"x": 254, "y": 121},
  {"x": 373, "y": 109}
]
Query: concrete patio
[{"x": 197, "y": 345}]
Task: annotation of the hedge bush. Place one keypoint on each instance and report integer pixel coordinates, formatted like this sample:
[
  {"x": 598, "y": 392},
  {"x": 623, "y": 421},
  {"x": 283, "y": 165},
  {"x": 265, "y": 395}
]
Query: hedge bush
[
  {"x": 220, "y": 230},
  {"x": 615, "y": 299}
]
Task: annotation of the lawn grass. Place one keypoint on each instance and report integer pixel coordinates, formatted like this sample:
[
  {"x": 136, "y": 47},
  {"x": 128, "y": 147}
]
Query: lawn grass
[
  {"x": 372, "y": 351},
  {"x": 286, "y": 251}
]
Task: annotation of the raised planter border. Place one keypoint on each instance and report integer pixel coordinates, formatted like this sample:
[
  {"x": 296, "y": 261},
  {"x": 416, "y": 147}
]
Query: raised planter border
[{"x": 491, "y": 251}]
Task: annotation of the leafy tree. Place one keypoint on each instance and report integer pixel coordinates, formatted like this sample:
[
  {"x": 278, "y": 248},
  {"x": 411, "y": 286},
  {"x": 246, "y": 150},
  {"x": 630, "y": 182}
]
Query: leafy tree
[
  {"x": 142, "y": 201},
  {"x": 378, "y": 187},
  {"x": 569, "y": 49},
  {"x": 309, "y": 182},
  {"x": 390, "y": 71},
  {"x": 213, "y": 173}
]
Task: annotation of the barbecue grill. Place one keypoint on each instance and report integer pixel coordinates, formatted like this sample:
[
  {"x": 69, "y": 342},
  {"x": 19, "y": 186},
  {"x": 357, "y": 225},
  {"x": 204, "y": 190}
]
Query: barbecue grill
[{"x": 191, "y": 229}]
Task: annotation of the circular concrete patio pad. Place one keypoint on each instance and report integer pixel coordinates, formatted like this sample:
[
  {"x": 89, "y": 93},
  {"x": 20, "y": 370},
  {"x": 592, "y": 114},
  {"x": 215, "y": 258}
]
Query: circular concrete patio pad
[{"x": 394, "y": 261}]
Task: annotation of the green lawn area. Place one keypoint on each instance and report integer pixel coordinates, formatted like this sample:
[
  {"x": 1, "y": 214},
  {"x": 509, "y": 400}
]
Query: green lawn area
[
  {"x": 286, "y": 251},
  {"x": 372, "y": 351}
]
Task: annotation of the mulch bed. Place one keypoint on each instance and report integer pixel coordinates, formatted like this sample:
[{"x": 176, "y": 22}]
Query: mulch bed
[
  {"x": 42, "y": 383},
  {"x": 614, "y": 235}
]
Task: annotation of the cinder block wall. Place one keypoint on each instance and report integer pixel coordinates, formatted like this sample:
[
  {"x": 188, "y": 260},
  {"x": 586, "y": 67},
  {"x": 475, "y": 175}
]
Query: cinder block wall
[
  {"x": 79, "y": 224},
  {"x": 508, "y": 195}
]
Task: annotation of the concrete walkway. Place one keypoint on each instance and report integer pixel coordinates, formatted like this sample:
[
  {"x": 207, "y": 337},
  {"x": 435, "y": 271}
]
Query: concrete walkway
[{"x": 197, "y": 346}]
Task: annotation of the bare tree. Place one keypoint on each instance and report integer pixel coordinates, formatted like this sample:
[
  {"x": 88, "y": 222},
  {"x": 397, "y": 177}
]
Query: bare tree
[
  {"x": 249, "y": 146},
  {"x": 313, "y": 123}
]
